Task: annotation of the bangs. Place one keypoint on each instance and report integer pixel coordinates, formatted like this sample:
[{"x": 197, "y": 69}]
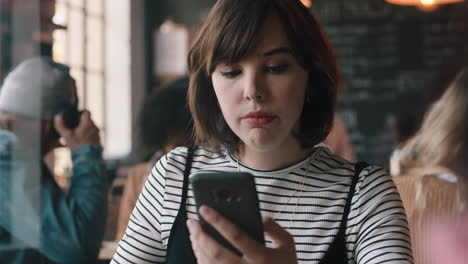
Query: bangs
[{"x": 236, "y": 31}]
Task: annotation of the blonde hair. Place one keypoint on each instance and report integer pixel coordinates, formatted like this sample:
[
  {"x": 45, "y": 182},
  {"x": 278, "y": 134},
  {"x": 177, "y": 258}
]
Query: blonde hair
[{"x": 441, "y": 139}]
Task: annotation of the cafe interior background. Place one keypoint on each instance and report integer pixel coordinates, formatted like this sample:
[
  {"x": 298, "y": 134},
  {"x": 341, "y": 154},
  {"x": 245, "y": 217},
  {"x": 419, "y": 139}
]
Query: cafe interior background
[{"x": 391, "y": 53}]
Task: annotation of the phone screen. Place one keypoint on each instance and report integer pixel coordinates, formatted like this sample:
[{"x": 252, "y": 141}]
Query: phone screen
[{"x": 233, "y": 195}]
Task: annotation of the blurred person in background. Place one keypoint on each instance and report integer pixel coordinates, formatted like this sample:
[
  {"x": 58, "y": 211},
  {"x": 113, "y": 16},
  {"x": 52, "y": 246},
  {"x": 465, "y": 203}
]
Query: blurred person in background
[
  {"x": 433, "y": 166},
  {"x": 38, "y": 102},
  {"x": 165, "y": 123}
]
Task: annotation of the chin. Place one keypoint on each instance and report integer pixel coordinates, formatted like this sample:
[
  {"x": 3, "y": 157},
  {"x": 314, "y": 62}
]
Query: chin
[
  {"x": 262, "y": 145},
  {"x": 262, "y": 140}
]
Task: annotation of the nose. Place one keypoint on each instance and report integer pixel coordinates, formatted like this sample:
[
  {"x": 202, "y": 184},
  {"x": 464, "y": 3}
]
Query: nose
[{"x": 254, "y": 88}]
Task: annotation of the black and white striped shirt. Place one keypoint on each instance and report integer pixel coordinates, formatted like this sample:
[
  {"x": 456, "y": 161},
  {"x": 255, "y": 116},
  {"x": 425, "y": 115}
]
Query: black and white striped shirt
[{"x": 377, "y": 230}]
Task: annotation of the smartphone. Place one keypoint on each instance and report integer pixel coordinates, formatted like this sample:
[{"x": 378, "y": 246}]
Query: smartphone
[{"x": 233, "y": 195}]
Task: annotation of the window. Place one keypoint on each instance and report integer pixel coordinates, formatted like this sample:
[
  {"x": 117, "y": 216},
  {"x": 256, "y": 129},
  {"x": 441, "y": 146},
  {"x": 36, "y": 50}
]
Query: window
[{"x": 96, "y": 47}]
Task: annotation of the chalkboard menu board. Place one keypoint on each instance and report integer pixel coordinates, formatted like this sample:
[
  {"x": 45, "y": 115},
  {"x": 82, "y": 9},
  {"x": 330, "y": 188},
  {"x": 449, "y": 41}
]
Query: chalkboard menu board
[{"x": 385, "y": 53}]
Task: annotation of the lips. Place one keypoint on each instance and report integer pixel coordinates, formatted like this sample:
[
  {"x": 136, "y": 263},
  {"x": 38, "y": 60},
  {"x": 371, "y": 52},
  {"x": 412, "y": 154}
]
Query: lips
[{"x": 258, "y": 118}]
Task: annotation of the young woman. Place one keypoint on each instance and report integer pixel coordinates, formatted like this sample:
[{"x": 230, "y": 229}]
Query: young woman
[
  {"x": 433, "y": 165},
  {"x": 262, "y": 95}
]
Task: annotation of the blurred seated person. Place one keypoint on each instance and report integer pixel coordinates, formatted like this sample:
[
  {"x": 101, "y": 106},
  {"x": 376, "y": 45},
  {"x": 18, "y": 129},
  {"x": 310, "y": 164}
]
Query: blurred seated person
[
  {"x": 433, "y": 165},
  {"x": 165, "y": 124},
  {"x": 42, "y": 222}
]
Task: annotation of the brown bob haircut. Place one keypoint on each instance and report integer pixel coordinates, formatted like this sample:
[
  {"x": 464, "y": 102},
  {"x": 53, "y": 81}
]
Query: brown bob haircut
[{"x": 229, "y": 34}]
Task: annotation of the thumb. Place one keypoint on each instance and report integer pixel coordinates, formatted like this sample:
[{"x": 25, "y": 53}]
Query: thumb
[
  {"x": 60, "y": 126},
  {"x": 279, "y": 235}
]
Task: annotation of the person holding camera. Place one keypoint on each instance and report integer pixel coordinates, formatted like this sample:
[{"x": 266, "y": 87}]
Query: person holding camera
[
  {"x": 40, "y": 222},
  {"x": 263, "y": 85}
]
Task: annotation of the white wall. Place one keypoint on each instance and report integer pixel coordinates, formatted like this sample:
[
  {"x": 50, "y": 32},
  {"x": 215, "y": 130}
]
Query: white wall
[{"x": 118, "y": 79}]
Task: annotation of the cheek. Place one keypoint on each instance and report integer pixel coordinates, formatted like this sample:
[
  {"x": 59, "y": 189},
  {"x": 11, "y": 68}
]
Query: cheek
[
  {"x": 220, "y": 86},
  {"x": 293, "y": 99},
  {"x": 224, "y": 94},
  {"x": 295, "y": 94}
]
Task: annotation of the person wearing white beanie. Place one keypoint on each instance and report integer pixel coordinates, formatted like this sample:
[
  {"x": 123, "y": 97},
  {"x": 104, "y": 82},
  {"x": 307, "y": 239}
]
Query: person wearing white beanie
[{"x": 41, "y": 223}]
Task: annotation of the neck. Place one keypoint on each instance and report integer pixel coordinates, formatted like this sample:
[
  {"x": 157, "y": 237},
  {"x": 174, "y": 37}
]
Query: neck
[{"x": 272, "y": 159}]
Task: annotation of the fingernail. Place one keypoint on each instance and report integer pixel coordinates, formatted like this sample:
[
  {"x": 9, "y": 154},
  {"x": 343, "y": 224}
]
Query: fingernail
[
  {"x": 206, "y": 211},
  {"x": 190, "y": 224}
]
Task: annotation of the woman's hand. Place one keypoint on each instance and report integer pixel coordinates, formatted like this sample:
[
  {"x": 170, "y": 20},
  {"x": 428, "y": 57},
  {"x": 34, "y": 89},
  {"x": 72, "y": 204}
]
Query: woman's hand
[{"x": 207, "y": 250}]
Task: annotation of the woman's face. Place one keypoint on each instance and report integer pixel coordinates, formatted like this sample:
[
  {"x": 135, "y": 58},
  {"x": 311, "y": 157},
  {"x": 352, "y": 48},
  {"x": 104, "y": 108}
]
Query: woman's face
[{"x": 262, "y": 96}]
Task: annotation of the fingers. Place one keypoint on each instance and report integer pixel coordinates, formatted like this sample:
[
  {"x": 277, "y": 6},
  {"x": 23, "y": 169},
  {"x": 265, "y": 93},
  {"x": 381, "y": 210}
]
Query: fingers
[
  {"x": 65, "y": 133},
  {"x": 85, "y": 121},
  {"x": 278, "y": 234},
  {"x": 85, "y": 133},
  {"x": 239, "y": 239},
  {"x": 60, "y": 126},
  {"x": 206, "y": 249}
]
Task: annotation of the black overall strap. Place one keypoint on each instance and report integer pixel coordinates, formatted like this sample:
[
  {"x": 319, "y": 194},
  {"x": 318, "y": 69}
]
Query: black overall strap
[
  {"x": 337, "y": 252},
  {"x": 188, "y": 166},
  {"x": 179, "y": 247}
]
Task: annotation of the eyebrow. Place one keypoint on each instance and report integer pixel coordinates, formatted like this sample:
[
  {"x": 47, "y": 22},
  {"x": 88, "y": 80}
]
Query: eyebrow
[{"x": 276, "y": 51}]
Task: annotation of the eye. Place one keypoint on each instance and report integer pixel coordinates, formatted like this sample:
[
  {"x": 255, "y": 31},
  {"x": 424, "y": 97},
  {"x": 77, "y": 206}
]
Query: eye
[
  {"x": 277, "y": 69},
  {"x": 230, "y": 73}
]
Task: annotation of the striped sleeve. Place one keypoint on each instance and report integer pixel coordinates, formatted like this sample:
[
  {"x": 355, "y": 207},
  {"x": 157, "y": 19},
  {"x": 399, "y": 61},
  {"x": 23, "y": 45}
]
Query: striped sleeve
[
  {"x": 142, "y": 242},
  {"x": 382, "y": 234}
]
